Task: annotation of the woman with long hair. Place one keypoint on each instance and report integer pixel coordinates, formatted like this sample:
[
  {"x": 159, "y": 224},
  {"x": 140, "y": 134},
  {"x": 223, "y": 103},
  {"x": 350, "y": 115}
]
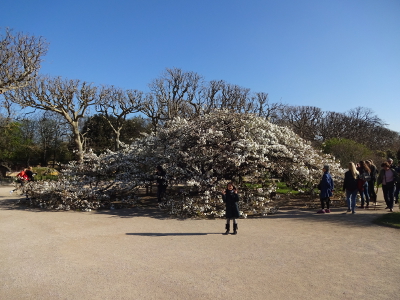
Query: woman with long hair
[
  {"x": 371, "y": 183},
  {"x": 351, "y": 187},
  {"x": 365, "y": 176}
]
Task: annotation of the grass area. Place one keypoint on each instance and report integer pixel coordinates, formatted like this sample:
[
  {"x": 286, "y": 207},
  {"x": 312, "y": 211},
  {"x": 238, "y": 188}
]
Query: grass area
[
  {"x": 282, "y": 188},
  {"x": 390, "y": 219}
]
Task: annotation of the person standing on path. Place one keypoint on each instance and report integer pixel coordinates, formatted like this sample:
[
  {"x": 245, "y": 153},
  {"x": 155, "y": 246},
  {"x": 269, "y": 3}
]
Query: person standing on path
[
  {"x": 350, "y": 185},
  {"x": 397, "y": 190},
  {"x": 388, "y": 178},
  {"x": 371, "y": 183},
  {"x": 365, "y": 176},
  {"x": 326, "y": 187},
  {"x": 231, "y": 199},
  {"x": 162, "y": 184}
]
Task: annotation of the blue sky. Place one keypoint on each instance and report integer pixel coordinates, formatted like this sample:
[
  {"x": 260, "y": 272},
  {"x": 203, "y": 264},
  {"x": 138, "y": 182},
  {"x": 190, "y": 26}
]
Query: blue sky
[{"x": 335, "y": 55}]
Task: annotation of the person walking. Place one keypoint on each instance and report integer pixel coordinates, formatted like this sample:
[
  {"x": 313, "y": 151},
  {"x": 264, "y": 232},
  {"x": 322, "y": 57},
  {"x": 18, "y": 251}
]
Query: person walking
[
  {"x": 326, "y": 186},
  {"x": 231, "y": 199},
  {"x": 371, "y": 183},
  {"x": 365, "y": 176},
  {"x": 350, "y": 185},
  {"x": 397, "y": 190},
  {"x": 388, "y": 178}
]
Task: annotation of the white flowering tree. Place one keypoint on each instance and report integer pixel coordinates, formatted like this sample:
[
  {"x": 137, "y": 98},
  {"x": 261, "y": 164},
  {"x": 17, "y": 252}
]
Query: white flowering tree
[{"x": 200, "y": 157}]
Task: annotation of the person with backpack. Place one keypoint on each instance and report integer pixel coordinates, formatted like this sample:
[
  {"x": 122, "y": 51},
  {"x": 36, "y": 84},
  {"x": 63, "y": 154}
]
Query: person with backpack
[
  {"x": 388, "y": 178},
  {"x": 363, "y": 179},
  {"x": 350, "y": 185}
]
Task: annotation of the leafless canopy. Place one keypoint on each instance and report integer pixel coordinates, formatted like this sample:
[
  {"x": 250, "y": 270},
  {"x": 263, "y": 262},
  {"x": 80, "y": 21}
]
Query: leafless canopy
[
  {"x": 20, "y": 59},
  {"x": 69, "y": 98},
  {"x": 118, "y": 103}
]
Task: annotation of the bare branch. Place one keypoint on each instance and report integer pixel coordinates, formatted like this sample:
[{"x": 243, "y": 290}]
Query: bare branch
[{"x": 20, "y": 59}]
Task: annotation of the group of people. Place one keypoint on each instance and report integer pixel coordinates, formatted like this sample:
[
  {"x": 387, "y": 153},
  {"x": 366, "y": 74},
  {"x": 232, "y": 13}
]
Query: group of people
[{"x": 361, "y": 178}]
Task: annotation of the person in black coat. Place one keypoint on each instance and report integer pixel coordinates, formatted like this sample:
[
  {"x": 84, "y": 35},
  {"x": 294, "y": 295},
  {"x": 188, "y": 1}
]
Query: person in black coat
[
  {"x": 350, "y": 185},
  {"x": 231, "y": 199},
  {"x": 371, "y": 183},
  {"x": 29, "y": 173},
  {"x": 162, "y": 184}
]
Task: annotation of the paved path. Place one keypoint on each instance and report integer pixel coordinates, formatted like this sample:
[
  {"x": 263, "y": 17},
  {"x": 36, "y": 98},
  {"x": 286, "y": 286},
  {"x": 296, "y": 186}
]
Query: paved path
[{"x": 141, "y": 254}]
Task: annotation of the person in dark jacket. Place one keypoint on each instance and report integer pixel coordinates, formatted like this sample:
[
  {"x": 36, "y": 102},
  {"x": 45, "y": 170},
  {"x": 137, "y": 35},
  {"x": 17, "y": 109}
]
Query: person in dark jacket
[
  {"x": 371, "y": 183},
  {"x": 231, "y": 199},
  {"x": 363, "y": 187},
  {"x": 388, "y": 178},
  {"x": 326, "y": 186},
  {"x": 29, "y": 173},
  {"x": 350, "y": 185},
  {"x": 397, "y": 190},
  {"x": 162, "y": 184}
]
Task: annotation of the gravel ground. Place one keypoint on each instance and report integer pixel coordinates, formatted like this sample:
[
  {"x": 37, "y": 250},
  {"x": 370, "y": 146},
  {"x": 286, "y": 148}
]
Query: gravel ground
[{"x": 143, "y": 254}]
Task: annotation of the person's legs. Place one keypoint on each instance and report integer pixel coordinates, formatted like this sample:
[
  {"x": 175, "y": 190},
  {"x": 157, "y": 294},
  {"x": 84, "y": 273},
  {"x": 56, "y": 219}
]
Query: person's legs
[
  {"x": 328, "y": 200},
  {"x": 366, "y": 194},
  {"x": 348, "y": 199},
  {"x": 235, "y": 226},
  {"x": 322, "y": 203},
  {"x": 385, "y": 194},
  {"x": 227, "y": 225},
  {"x": 396, "y": 193},
  {"x": 353, "y": 200},
  {"x": 362, "y": 198},
  {"x": 391, "y": 197},
  {"x": 161, "y": 189},
  {"x": 371, "y": 190}
]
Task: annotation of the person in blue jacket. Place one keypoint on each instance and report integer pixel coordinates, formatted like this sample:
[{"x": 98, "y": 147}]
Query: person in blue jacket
[{"x": 326, "y": 187}]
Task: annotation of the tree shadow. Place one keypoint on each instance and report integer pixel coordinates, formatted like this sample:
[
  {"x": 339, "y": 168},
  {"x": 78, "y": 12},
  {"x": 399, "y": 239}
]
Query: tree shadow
[
  {"x": 150, "y": 209},
  {"x": 338, "y": 216},
  {"x": 138, "y": 211},
  {"x": 147, "y": 209}
]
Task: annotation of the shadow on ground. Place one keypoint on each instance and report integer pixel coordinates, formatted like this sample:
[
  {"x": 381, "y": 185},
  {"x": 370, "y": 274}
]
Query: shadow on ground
[
  {"x": 150, "y": 209},
  {"x": 171, "y": 234},
  {"x": 338, "y": 216}
]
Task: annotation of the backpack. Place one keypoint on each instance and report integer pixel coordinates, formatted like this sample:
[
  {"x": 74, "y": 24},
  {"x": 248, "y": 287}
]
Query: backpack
[{"x": 365, "y": 176}]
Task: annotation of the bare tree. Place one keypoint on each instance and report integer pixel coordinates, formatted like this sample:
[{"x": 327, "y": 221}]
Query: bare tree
[
  {"x": 69, "y": 98},
  {"x": 118, "y": 103},
  {"x": 303, "y": 120},
  {"x": 174, "y": 92},
  {"x": 20, "y": 59},
  {"x": 264, "y": 108}
]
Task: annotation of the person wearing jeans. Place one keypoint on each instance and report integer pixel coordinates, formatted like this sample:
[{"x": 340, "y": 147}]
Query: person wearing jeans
[
  {"x": 371, "y": 183},
  {"x": 350, "y": 185},
  {"x": 351, "y": 197},
  {"x": 388, "y": 178},
  {"x": 364, "y": 176}
]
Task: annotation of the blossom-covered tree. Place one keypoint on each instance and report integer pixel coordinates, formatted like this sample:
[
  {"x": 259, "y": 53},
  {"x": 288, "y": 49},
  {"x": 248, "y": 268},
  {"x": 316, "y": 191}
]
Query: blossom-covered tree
[{"x": 200, "y": 157}]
